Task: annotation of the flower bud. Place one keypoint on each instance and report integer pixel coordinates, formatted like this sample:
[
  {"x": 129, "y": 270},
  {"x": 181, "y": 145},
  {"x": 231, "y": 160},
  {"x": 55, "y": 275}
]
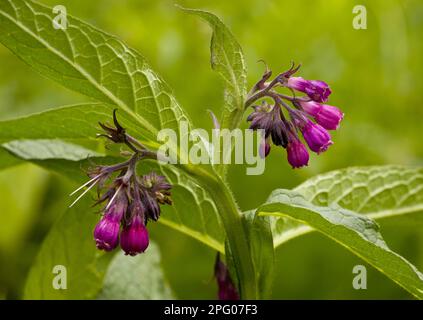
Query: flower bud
[
  {"x": 278, "y": 133},
  {"x": 227, "y": 289},
  {"x": 327, "y": 116},
  {"x": 264, "y": 149},
  {"x": 158, "y": 191},
  {"x": 106, "y": 232},
  {"x": 261, "y": 120},
  {"x": 317, "y": 90},
  {"x": 297, "y": 154},
  {"x": 134, "y": 237},
  {"x": 151, "y": 206},
  {"x": 317, "y": 138}
]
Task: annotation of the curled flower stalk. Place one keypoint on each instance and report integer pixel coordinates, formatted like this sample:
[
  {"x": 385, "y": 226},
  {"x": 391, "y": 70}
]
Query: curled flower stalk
[
  {"x": 129, "y": 200},
  {"x": 288, "y": 117}
]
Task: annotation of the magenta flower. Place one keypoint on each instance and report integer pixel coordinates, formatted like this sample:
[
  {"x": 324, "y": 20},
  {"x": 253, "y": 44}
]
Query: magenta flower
[
  {"x": 317, "y": 137},
  {"x": 317, "y": 90},
  {"x": 297, "y": 154},
  {"x": 134, "y": 237},
  {"x": 290, "y": 115},
  {"x": 264, "y": 149},
  {"x": 106, "y": 232},
  {"x": 329, "y": 117}
]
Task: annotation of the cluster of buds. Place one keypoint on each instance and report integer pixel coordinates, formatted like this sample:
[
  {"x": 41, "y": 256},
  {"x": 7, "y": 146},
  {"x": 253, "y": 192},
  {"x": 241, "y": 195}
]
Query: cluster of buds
[
  {"x": 130, "y": 200},
  {"x": 283, "y": 131}
]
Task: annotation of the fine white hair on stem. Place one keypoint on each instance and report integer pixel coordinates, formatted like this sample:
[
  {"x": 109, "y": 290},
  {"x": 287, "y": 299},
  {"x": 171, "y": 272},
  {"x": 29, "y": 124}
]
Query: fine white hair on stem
[
  {"x": 113, "y": 198},
  {"x": 85, "y": 184}
]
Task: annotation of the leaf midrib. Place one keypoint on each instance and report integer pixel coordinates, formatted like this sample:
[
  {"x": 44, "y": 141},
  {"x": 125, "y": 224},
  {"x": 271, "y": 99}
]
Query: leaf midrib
[{"x": 84, "y": 73}]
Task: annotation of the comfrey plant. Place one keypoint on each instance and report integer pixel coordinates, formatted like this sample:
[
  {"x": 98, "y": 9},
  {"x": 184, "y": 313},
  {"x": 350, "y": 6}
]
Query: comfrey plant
[
  {"x": 132, "y": 201},
  {"x": 134, "y": 188}
]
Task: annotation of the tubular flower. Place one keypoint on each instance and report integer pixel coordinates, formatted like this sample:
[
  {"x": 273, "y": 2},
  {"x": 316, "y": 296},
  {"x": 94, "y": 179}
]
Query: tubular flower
[
  {"x": 317, "y": 138},
  {"x": 134, "y": 237},
  {"x": 291, "y": 116},
  {"x": 106, "y": 232},
  {"x": 329, "y": 117},
  {"x": 315, "y": 89},
  {"x": 297, "y": 154}
]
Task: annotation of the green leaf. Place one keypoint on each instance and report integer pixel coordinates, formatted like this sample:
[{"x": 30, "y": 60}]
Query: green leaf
[
  {"x": 136, "y": 278},
  {"x": 89, "y": 61},
  {"x": 375, "y": 191},
  {"x": 227, "y": 60},
  {"x": 356, "y": 232},
  {"x": 100, "y": 66},
  {"x": 7, "y": 160},
  {"x": 379, "y": 192},
  {"x": 22, "y": 182},
  {"x": 85, "y": 265},
  {"x": 48, "y": 149}
]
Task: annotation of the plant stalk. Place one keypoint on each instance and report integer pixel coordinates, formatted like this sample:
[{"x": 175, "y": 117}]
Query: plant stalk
[{"x": 236, "y": 235}]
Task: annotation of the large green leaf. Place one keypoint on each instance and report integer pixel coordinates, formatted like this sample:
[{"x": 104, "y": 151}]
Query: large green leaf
[
  {"x": 136, "y": 278},
  {"x": 43, "y": 149},
  {"x": 356, "y": 232},
  {"x": 91, "y": 62},
  {"x": 69, "y": 244},
  {"x": 18, "y": 217},
  {"x": 227, "y": 60},
  {"x": 379, "y": 192}
]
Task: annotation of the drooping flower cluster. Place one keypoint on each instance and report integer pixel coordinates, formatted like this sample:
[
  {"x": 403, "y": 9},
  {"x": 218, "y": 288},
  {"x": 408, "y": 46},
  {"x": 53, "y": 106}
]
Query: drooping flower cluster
[
  {"x": 284, "y": 131},
  {"x": 130, "y": 200}
]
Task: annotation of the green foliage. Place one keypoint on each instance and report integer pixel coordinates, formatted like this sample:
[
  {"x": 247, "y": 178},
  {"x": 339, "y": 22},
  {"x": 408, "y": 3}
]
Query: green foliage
[
  {"x": 340, "y": 204},
  {"x": 138, "y": 278},
  {"x": 357, "y": 233},
  {"x": 48, "y": 149},
  {"x": 378, "y": 192},
  {"x": 228, "y": 60},
  {"x": 69, "y": 244},
  {"x": 91, "y": 62}
]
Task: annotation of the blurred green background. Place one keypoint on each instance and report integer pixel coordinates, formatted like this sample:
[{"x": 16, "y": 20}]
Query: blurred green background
[{"x": 375, "y": 75}]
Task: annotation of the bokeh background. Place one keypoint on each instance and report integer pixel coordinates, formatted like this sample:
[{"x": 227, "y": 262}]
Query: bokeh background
[{"x": 376, "y": 77}]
